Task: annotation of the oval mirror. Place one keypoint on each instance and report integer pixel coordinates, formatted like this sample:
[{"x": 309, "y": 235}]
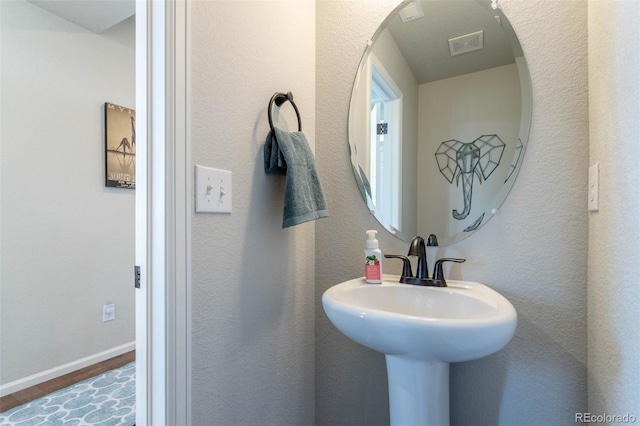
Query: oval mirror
[{"x": 439, "y": 118}]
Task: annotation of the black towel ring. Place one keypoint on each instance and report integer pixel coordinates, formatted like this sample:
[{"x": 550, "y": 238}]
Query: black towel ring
[{"x": 279, "y": 99}]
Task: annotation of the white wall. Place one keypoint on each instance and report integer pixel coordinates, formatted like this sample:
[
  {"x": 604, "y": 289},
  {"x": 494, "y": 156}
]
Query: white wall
[
  {"x": 614, "y": 231},
  {"x": 534, "y": 252},
  {"x": 253, "y": 282},
  {"x": 67, "y": 241}
]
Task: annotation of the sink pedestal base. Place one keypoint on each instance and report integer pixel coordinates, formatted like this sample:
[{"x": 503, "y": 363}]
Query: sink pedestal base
[{"x": 418, "y": 392}]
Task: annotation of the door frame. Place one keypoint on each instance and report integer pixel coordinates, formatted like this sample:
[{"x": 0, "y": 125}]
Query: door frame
[{"x": 163, "y": 214}]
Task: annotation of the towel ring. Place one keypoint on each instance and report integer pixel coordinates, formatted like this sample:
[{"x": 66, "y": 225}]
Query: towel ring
[{"x": 279, "y": 99}]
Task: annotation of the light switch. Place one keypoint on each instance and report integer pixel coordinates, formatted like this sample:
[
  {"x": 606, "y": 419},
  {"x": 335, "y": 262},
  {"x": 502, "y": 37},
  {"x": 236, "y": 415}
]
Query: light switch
[
  {"x": 594, "y": 188},
  {"x": 213, "y": 190}
]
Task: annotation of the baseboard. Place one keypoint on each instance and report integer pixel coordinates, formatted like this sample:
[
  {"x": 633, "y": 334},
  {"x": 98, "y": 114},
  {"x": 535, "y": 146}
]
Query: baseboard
[{"x": 70, "y": 367}]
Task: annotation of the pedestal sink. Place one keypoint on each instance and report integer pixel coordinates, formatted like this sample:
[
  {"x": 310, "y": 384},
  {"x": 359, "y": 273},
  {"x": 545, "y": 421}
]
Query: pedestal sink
[{"x": 421, "y": 330}]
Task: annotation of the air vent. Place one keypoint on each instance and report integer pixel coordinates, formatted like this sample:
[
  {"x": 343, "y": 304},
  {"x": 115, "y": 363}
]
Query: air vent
[
  {"x": 413, "y": 10},
  {"x": 466, "y": 43}
]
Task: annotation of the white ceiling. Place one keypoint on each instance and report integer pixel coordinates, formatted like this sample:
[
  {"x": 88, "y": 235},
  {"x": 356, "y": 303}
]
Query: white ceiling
[
  {"x": 424, "y": 41},
  {"x": 94, "y": 15}
]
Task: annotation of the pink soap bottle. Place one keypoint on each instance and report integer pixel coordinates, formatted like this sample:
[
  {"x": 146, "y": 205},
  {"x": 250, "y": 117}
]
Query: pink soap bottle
[{"x": 373, "y": 256}]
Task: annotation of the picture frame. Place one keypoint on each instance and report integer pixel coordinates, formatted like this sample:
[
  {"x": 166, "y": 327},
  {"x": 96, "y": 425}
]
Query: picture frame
[{"x": 120, "y": 146}]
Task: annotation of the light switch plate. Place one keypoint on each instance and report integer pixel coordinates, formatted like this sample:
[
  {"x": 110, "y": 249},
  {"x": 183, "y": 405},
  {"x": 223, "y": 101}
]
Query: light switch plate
[
  {"x": 213, "y": 190},
  {"x": 594, "y": 188}
]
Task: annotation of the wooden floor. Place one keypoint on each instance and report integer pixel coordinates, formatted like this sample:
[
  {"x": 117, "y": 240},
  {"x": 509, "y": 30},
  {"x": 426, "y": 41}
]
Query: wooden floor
[{"x": 27, "y": 395}]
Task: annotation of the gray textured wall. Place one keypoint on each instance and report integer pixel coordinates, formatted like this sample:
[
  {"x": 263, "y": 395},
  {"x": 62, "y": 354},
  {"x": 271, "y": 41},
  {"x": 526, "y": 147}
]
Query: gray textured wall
[
  {"x": 614, "y": 231},
  {"x": 534, "y": 253},
  {"x": 253, "y": 297}
]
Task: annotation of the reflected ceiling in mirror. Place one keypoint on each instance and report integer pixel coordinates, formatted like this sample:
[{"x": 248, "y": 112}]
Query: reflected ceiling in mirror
[{"x": 439, "y": 118}]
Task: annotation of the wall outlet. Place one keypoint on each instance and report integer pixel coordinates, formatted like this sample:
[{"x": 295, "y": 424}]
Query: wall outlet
[{"x": 108, "y": 312}]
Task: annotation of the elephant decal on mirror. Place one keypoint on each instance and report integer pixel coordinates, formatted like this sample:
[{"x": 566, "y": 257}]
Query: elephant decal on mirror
[{"x": 459, "y": 159}]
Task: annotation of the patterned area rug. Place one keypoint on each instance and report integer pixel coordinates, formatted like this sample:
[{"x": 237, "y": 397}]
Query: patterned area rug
[{"x": 105, "y": 400}]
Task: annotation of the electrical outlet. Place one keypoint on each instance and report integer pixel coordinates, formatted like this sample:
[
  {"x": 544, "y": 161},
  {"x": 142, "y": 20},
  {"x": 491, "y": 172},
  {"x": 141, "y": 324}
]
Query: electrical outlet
[{"x": 108, "y": 312}]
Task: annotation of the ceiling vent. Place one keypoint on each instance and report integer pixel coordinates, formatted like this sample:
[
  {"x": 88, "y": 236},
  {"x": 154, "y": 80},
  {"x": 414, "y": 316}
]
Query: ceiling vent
[
  {"x": 466, "y": 43},
  {"x": 413, "y": 10}
]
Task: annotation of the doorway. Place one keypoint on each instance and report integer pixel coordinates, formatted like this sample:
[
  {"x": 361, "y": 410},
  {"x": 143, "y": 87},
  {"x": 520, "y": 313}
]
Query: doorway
[
  {"x": 385, "y": 111},
  {"x": 67, "y": 299},
  {"x": 162, "y": 302}
]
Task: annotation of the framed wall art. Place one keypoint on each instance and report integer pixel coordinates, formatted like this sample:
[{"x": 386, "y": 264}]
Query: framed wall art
[{"x": 120, "y": 146}]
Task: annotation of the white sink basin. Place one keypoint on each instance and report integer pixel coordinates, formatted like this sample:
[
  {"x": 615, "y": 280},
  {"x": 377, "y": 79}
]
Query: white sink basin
[
  {"x": 421, "y": 330},
  {"x": 461, "y": 322}
]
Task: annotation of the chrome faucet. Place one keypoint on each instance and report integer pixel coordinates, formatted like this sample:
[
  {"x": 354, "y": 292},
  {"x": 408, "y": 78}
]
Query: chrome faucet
[{"x": 417, "y": 248}]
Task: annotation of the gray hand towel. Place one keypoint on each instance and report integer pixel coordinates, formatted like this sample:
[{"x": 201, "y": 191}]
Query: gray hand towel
[{"x": 288, "y": 153}]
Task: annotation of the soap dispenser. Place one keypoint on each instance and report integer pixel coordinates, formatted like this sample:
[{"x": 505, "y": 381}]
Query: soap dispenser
[{"x": 372, "y": 265}]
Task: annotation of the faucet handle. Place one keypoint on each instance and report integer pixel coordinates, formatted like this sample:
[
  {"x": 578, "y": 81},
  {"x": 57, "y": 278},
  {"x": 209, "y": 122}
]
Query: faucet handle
[
  {"x": 437, "y": 269},
  {"x": 406, "y": 264}
]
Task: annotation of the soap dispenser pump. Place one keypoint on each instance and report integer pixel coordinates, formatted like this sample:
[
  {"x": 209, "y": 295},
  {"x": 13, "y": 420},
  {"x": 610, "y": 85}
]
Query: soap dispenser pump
[{"x": 373, "y": 255}]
